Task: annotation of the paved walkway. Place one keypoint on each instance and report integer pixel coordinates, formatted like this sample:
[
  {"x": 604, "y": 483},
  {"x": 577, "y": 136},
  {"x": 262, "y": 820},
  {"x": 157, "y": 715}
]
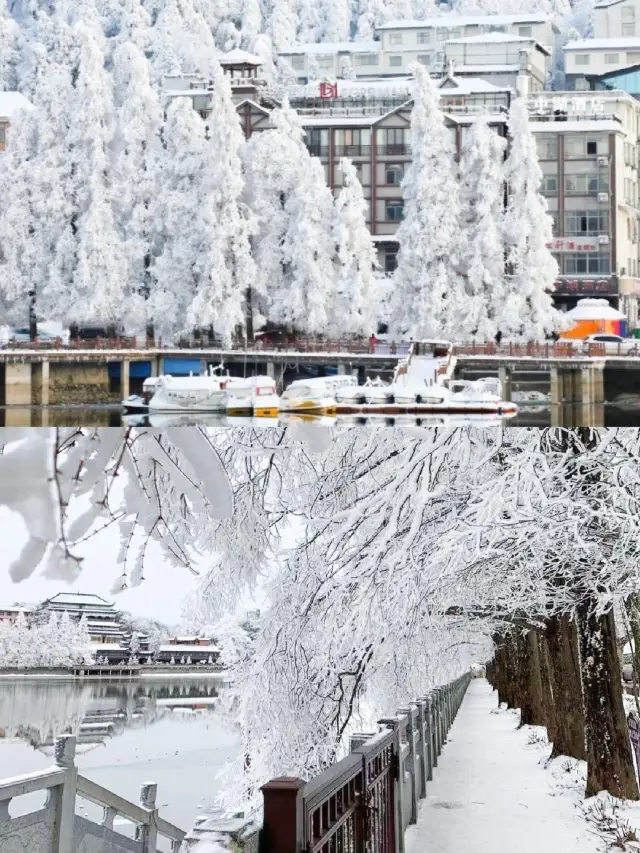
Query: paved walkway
[{"x": 491, "y": 793}]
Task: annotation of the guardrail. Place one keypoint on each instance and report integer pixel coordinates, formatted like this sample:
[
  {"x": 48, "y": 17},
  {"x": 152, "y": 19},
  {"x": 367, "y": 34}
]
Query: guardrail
[
  {"x": 563, "y": 349},
  {"x": 364, "y": 803},
  {"x": 56, "y": 828}
]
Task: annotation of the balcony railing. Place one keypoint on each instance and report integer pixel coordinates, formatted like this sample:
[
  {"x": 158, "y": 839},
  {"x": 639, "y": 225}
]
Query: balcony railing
[
  {"x": 353, "y": 150},
  {"x": 394, "y": 149},
  {"x": 318, "y": 150}
]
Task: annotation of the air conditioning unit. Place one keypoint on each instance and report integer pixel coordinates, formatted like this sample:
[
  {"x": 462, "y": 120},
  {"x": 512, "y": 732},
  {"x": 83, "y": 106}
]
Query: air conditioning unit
[
  {"x": 603, "y": 196},
  {"x": 603, "y": 239},
  {"x": 603, "y": 161}
]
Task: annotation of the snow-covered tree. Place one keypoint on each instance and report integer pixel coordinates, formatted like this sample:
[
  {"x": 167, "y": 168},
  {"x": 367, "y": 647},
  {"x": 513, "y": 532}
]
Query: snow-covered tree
[
  {"x": 9, "y": 49},
  {"x": 293, "y": 206},
  {"x": 482, "y": 230},
  {"x": 353, "y": 308},
  {"x": 427, "y": 294},
  {"x": 529, "y": 310}
]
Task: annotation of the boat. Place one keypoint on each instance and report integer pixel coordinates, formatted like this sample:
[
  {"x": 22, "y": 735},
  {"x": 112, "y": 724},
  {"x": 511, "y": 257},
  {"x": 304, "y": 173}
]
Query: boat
[
  {"x": 192, "y": 393},
  {"x": 255, "y": 395},
  {"x": 316, "y": 395},
  {"x": 136, "y": 403}
]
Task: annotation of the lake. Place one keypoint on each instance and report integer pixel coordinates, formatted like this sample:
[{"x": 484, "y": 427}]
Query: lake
[
  {"x": 535, "y": 415},
  {"x": 168, "y": 731}
]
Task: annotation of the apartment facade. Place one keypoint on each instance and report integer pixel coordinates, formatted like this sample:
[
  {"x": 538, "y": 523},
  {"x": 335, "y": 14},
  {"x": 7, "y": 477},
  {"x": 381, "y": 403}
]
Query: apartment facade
[
  {"x": 435, "y": 43},
  {"x": 616, "y": 19},
  {"x": 588, "y": 151}
]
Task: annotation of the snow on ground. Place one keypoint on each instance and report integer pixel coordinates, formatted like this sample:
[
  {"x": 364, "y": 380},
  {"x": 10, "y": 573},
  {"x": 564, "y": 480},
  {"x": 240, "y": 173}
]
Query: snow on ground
[
  {"x": 491, "y": 792},
  {"x": 423, "y": 370}
]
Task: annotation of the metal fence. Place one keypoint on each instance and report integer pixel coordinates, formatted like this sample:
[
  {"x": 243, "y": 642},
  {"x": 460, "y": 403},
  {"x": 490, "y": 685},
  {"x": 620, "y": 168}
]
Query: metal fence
[{"x": 364, "y": 803}]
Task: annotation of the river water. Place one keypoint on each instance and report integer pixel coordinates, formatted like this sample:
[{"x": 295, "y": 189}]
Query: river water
[
  {"x": 535, "y": 415},
  {"x": 168, "y": 731}
]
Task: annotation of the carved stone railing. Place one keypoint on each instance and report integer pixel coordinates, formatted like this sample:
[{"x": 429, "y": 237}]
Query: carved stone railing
[{"x": 56, "y": 828}]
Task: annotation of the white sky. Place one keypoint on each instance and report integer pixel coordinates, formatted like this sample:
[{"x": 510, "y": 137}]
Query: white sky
[{"x": 159, "y": 596}]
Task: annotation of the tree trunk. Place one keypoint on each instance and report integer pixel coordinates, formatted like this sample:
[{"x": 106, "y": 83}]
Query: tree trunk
[
  {"x": 500, "y": 671},
  {"x": 535, "y": 680},
  {"x": 633, "y": 611},
  {"x": 525, "y": 681},
  {"x": 33, "y": 319},
  {"x": 548, "y": 708},
  {"x": 567, "y": 689},
  {"x": 609, "y": 758},
  {"x": 511, "y": 672}
]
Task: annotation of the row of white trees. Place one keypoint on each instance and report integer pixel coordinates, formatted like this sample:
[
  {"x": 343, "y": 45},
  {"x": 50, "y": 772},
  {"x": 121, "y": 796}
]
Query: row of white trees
[
  {"x": 59, "y": 642},
  {"x": 457, "y": 234}
]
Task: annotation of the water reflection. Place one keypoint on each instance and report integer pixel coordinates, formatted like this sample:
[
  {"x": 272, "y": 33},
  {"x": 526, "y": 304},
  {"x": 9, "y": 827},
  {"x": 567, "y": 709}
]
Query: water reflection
[
  {"x": 176, "y": 732},
  {"x": 537, "y": 414}
]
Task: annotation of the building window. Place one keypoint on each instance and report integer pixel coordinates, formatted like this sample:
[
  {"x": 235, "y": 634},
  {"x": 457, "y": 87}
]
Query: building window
[
  {"x": 585, "y": 184},
  {"x": 581, "y": 84},
  {"x": 425, "y": 58},
  {"x": 424, "y": 37},
  {"x": 394, "y": 175},
  {"x": 611, "y": 58},
  {"x": 549, "y": 185},
  {"x": 628, "y": 30},
  {"x": 366, "y": 59},
  {"x": 495, "y": 28},
  {"x": 390, "y": 260},
  {"x": 582, "y": 58},
  {"x": 395, "y": 61},
  {"x": 297, "y": 62},
  {"x": 392, "y": 140},
  {"x": 586, "y": 223},
  {"x": 325, "y": 61},
  {"x": 395, "y": 38},
  {"x": 318, "y": 142},
  {"x": 393, "y": 210},
  {"x": 525, "y": 32},
  {"x": 547, "y": 147},
  {"x": 353, "y": 143},
  {"x": 628, "y": 13},
  {"x": 581, "y": 147},
  {"x": 585, "y": 263}
]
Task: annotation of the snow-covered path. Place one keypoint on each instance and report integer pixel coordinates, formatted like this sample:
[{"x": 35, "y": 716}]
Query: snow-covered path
[
  {"x": 490, "y": 792},
  {"x": 423, "y": 370}
]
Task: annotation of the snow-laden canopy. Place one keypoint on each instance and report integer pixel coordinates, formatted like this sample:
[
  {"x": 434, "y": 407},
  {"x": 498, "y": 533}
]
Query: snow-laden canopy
[{"x": 594, "y": 309}]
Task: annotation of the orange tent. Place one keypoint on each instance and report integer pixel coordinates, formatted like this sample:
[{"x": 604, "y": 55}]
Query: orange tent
[{"x": 595, "y": 317}]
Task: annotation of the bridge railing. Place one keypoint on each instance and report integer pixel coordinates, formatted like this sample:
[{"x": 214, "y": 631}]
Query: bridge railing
[
  {"x": 364, "y": 803},
  {"x": 56, "y": 828}
]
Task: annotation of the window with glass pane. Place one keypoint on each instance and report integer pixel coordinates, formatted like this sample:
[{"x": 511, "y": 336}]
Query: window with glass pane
[
  {"x": 547, "y": 147},
  {"x": 390, "y": 260},
  {"x": 393, "y": 210},
  {"x": 394, "y": 175},
  {"x": 392, "y": 140},
  {"x": 425, "y": 58},
  {"x": 628, "y": 30},
  {"x": 628, "y": 13},
  {"x": 395, "y": 38},
  {"x": 424, "y": 37},
  {"x": 352, "y": 142},
  {"x": 586, "y": 223},
  {"x": 395, "y": 61},
  {"x": 586, "y": 263},
  {"x": 582, "y": 59},
  {"x": 525, "y": 32},
  {"x": 549, "y": 185},
  {"x": 366, "y": 59},
  {"x": 318, "y": 142},
  {"x": 297, "y": 62},
  {"x": 611, "y": 58}
]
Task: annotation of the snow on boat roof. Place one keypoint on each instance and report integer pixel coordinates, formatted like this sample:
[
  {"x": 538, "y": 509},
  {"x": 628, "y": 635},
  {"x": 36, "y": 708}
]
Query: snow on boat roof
[
  {"x": 11, "y": 102},
  {"x": 594, "y": 309},
  {"x": 319, "y": 48},
  {"x": 465, "y": 21},
  {"x": 602, "y": 44},
  {"x": 194, "y": 382}
]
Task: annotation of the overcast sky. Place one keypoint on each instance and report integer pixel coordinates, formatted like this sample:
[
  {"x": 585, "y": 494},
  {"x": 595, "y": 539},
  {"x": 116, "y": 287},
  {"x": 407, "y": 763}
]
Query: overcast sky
[{"x": 159, "y": 596}]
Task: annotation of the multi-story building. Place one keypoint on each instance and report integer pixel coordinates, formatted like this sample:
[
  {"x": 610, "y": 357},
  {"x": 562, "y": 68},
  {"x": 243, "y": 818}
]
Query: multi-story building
[
  {"x": 588, "y": 152},
  {"x": 10, "y": 103},
  {"x": 189, "y": 649},
  {"x": 9, "y": 615},
  {"x": 103, "y": 620},
  {"x": 431, "y": 42},
  {"x": 616, "y": 19}
]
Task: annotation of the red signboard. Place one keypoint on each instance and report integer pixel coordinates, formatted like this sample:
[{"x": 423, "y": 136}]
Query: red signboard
[
  {"x": 586, "y": 285},
  {"x": 328, "y": 91}
]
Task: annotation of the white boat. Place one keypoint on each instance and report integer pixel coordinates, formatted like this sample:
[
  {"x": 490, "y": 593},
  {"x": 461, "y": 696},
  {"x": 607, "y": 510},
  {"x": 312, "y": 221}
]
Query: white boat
[
  {"x": 376, "y": 393},
  {"x": 255, "y": 395},
  {"x": 191, "y": 393},
  {"x": 316, "y": 394},
  {"x": 140, "y": 402}
]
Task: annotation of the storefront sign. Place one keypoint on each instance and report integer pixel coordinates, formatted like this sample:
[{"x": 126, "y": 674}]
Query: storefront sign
[
  {"x": 571, "y": 286},
  {"x": 567, "y": 105},
  {"x": 328, "y": 91},
  {"x": 570, "y": 244}
]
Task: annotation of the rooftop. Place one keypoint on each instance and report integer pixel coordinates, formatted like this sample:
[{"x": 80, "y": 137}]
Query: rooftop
[
  {"x": 79, "y": 598},
  {"x": 239, "y": 57},
  {"x": 465, "y": 21},
  {"x": 603, "y": 44},
  {"x": 11, "y": 102},
  {"x": 189, "y": 649},
  {"x": 333, "y": 47}
]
